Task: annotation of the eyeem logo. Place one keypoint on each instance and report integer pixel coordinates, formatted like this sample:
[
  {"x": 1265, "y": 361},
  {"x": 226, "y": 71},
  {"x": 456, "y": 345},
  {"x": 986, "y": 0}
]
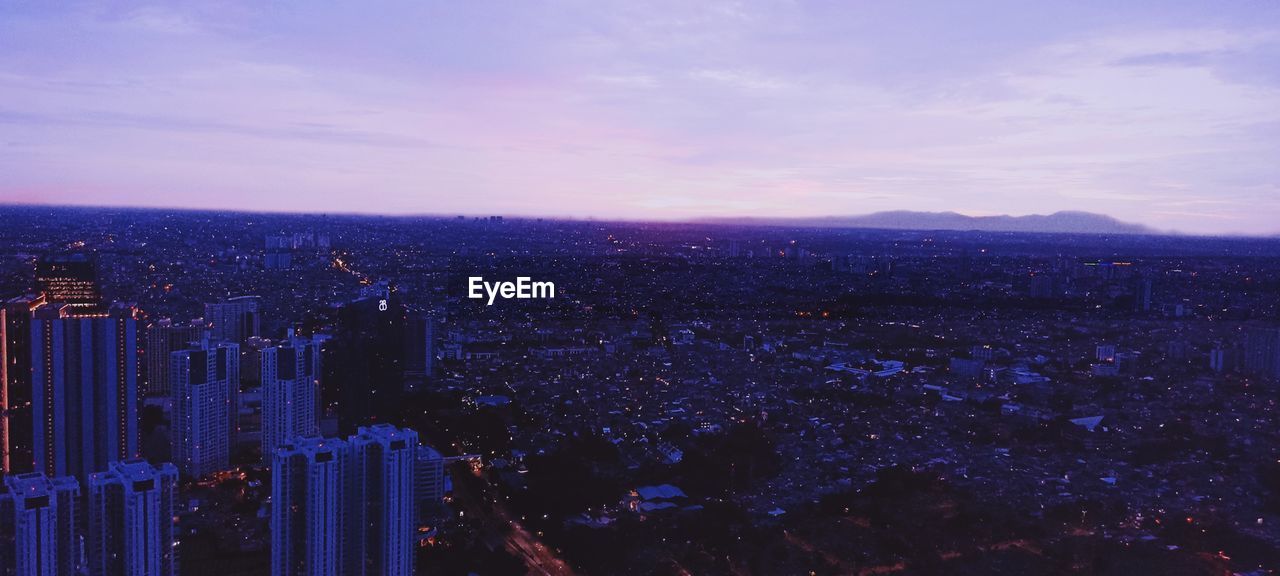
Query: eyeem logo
[{"x": 523, "y": 287}]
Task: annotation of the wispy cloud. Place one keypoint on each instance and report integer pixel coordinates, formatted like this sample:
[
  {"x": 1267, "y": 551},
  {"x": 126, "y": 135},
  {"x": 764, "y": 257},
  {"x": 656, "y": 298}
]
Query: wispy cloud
[{"x": 1171, "y": 59}]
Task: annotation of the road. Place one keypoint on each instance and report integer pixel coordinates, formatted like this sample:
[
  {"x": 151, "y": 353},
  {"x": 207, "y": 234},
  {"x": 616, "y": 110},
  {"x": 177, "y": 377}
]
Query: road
[{"x": 537, "y": 557}]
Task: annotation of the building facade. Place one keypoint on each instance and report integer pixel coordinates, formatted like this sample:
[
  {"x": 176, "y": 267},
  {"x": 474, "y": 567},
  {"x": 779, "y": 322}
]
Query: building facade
[
  {"x": 309, "y": 476},
  {"x": 84, "y": 389},
  {"x": 345, "y": 506},
  {"x": 290, "y": 392},
  {"x": 234, "y": 319},
  {"x": 429, "y": 483},
  {"x": 38, "y": 522},
  {"x": 1262, "y": 352},
  {"x": 69, "y": 279},
  {"x": 131, "y": 512},
  {"x": 16, "y": 424},
  {"x": 206, "y": 384},
  {"x": 365, "y": 363},
  {"x": 383, "y": 461},
  {"x": 164, "y": 337}
]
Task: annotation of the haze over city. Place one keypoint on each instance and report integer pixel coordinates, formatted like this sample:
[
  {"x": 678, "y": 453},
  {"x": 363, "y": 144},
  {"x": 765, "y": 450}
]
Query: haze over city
[{"x": 1162, "y": 114}]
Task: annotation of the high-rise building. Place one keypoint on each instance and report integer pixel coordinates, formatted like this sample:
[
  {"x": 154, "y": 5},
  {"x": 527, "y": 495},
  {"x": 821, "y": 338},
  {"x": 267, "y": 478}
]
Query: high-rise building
[
  {"x": 1142, "y": 294},
  {"x": 380, "y": 505},
  {"x": 1043, "y": 286},
  {"x": 365, "y": 359},
  {"x": 420, "y": 351},
  {"x": 15, "y": 384},
  {"x": 308, "y": 478},
  {"x": 206, "y": 385},
  {"x": 1218, "y": 359},
  {"x": 1224, "y": 358},
  {"x": 429, "y": 481},
  {"x": 163, "y": 337},
  {"x": 277, "y": 260},
  {"x": 85, "y": 389},
  {"x": 131, "y": 520},
  {"x": 290, "y": 392},
  {"x": 69, "y": 279},
  {"x": 1262, "y": 352},
  {"x": 38, "y": 525},
  {"x": 251, "y": 361},
  {"x": 1105, "y": 352},
  {"x": 345, "y": 507},
  {"x": 235, "y": 319}
]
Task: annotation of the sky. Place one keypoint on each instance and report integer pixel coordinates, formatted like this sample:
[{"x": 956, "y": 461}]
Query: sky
[{"x": 1163, "y": 113}]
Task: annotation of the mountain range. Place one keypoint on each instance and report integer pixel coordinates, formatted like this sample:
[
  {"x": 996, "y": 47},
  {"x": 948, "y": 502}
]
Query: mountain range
[{"x": 1068, "y": 222}]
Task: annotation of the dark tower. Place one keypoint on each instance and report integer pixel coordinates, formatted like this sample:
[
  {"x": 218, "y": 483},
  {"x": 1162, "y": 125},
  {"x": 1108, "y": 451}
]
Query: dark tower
[
  {"x": 15, "y": 385},
  {"x": 365, "y": 360},
  {"x": 69, "y": 279}
]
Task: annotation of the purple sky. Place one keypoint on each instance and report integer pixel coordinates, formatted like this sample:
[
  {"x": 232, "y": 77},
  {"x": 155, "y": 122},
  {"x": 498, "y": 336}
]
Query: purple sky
[{"x": 1163, "y": 113}]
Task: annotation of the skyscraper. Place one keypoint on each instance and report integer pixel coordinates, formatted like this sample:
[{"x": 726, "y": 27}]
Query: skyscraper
[
  {"x": 420, "y": 344},
  {"x": 365, "y": 382},
  {"x": 1043, "y": 286},
  {"x": 251, "y": 361},
  {"x": 381, "y": 506},
  {"x": 1262, "y": 352},
  {"x": 15, "y": 384},
  {"x": 206, "y": 384},
  {"x": 38, "y": 525},
  {"x": 69, "y": 279},
  {"x": 235, "y": 319},
  {"x": 5, "y": 439},
  {"x": 279, "y": 252},
  {"x": 290, "y": 392},
  {"x": 345, "y": 507},
  {"x": 163, "y": 337},
  {"x": 308, "y": 477},
  {"x": 1142, "y": 294},
  {"x": 85, "y": 389},
  {"x": 428, "y": 481},
  {"x": 131, "y": 520}
]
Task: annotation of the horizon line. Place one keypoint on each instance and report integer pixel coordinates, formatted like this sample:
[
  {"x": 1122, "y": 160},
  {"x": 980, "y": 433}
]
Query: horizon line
[{"x": 714, "y": 220}]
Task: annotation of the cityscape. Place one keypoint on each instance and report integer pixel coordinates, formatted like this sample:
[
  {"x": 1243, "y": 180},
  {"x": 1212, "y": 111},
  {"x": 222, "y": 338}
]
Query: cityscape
[
  {"x": 639, "y": 287},
  {"x": 237, "y": 393}
]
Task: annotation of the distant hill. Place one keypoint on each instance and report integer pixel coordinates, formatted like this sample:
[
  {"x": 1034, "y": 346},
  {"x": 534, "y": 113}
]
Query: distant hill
[{"x": 1058, "y": 222}]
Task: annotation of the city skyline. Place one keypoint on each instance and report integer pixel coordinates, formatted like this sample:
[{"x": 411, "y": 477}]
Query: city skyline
[
  {"x": 693, "y": 399},
  {"x": 1163, "y": 115}
]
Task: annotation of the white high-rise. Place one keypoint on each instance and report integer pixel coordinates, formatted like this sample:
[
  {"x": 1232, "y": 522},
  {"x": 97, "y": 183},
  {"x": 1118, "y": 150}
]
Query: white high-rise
[
  {"x": 307, "y": 490},
  {"x": 383, "y": 462},
  {"x": 429, "y": 478},
  {"x": 235, "y": 319},
  {"x": 205, "y": 384},
  {"x": 345, "y": 507},
  {"x": 38, "y": 525},
  {"x": 290, "y": 392},
  {"x": 131, "y": 520}
]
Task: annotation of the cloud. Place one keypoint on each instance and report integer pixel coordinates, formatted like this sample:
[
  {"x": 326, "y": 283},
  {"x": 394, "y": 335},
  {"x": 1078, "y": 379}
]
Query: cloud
[
  {"x": 741, "y": 79},
  {"x": 316, "y": 132},
  {"x": 1170, "y": 59}
]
